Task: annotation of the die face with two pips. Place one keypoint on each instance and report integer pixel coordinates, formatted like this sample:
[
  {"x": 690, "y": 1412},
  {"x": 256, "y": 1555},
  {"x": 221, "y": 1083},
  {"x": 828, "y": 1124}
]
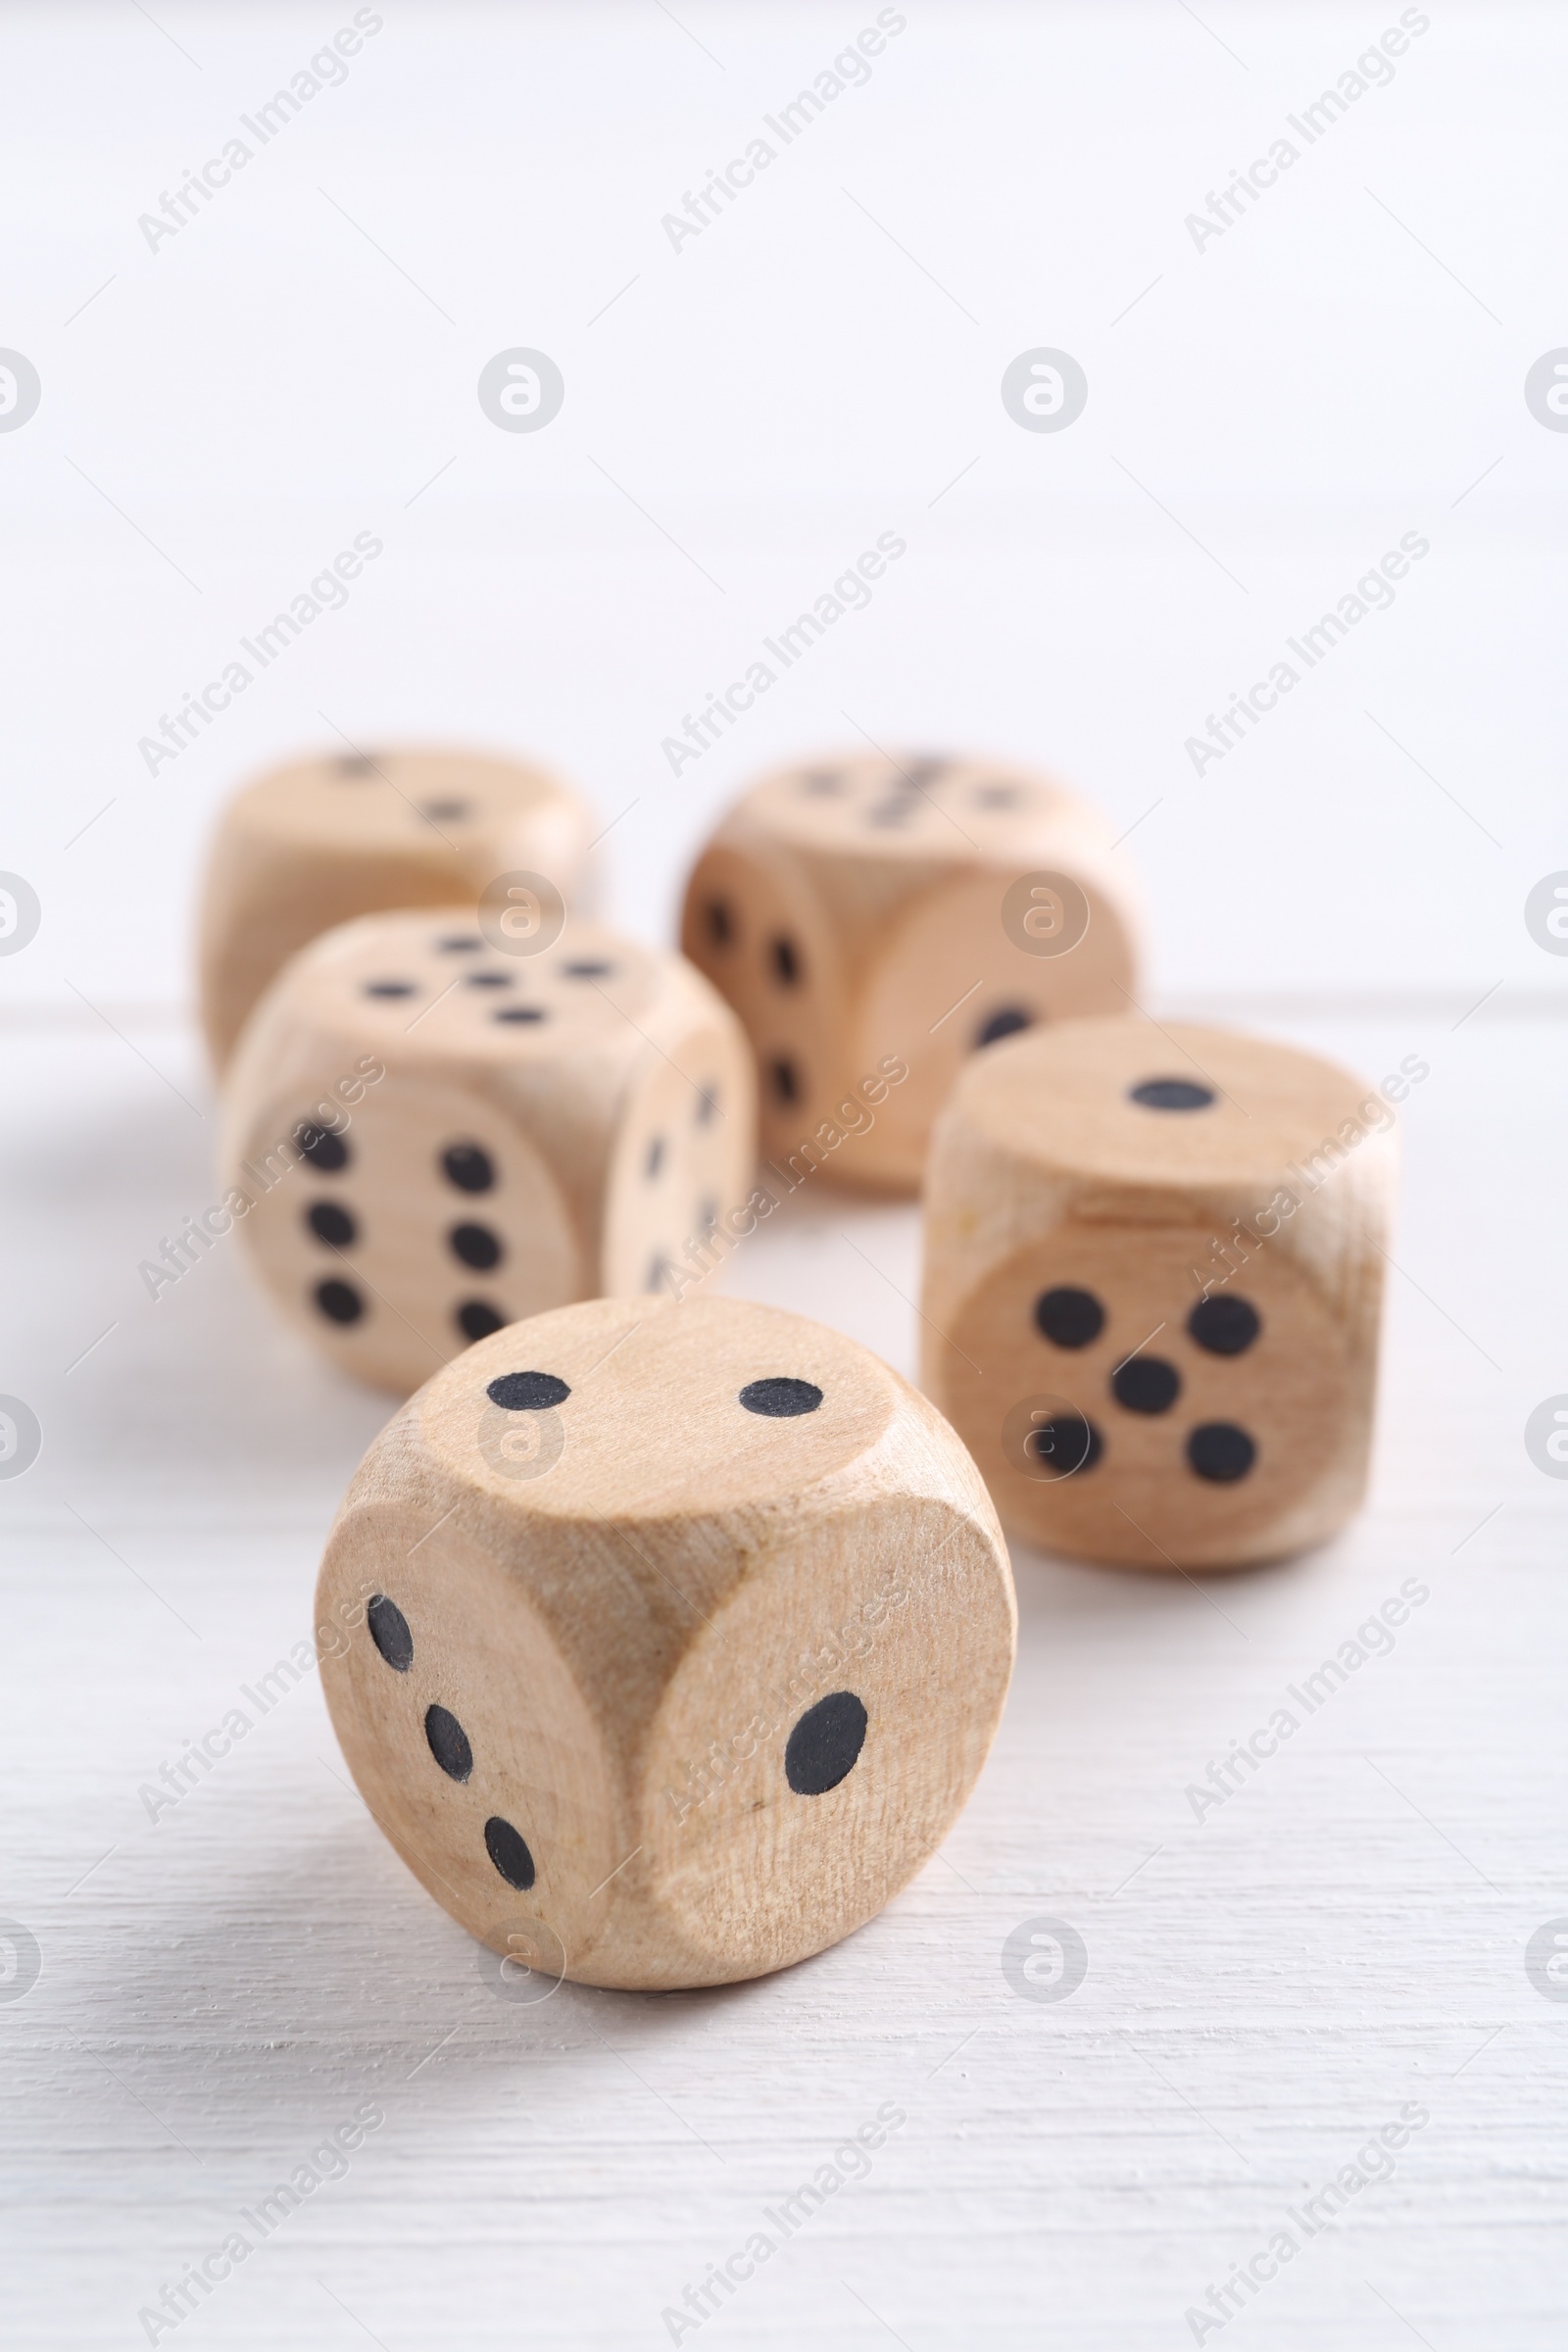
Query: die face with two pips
[
  {"x": 1153, "y": 1278},
  {"x": 541, "y": 1127},
  {"x": 316, "y": 842},
  {"x": 688, "y": 1631},
  {"x": 865, "y": 912}
]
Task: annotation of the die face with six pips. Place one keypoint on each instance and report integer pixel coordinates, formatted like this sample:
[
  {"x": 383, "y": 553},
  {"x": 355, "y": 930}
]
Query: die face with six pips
[
  {"x": 316, "y": 842},
  {"x": 541, "y": 1127},
  {"x": 918, "y": 909},
  {"x": 689, "y": 1630},
  {"x": 1153, "y": 1278}
]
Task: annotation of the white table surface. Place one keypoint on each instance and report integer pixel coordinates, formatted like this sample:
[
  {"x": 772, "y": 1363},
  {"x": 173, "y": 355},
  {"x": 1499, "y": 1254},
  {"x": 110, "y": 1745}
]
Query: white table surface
[{"x": 1266, "y": 1987}]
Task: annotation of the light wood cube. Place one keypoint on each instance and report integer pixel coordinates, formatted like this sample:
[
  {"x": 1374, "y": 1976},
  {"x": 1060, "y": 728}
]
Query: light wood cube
[
  {"x": 664, "y": 1642},
  {"x": 436, "y": 1137},
  {"x": 315, "y": 842},
  {"x": 867, "y": 916},
  {"x": 1153, "y": 1272}
]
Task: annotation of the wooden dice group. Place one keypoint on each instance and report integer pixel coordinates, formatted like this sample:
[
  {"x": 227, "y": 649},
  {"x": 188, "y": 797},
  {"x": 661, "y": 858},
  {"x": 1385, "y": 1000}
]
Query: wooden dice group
[{"x": 666, "y": 1636}]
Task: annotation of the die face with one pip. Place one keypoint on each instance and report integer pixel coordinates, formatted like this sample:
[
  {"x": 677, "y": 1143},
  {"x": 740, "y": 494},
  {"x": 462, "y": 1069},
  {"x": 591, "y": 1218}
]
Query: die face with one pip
[
  {"x": 866, "y": 909},
  {"x": 545, "y": 1127},
  {"x": 680, "y": 1634},
  {"x": 1153, "y": 1284},
  {"x": 316, "y": 842}
]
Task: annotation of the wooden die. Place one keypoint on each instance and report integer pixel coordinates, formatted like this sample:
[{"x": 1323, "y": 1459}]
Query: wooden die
[
  {"x": 863, "y": 912},
  {"x": 315, "y": 842},
  {"x": 1153, "y": 1274},
  {"x": 427, "y": 1135},
  {"x": 664, "y": 1642}
]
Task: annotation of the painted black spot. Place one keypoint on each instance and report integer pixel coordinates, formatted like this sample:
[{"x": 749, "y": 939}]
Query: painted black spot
[
  {"x": 339, "y": 1302},
  {"x": 390, "y": 988},
  {"x": 1224, "y": 1326},
  {"x": 331, "y": 1224},
  {"x": 891, "y": 813},
  {"x": 826, "y": 1745},
  {"x": 477, "y": 1318},
  {"x": 1172, "y": 1094},
  {"x": 1006, "y": 1023},
  {"x": 719, "y": 921},
  {"x": 781, "y": 1398},
  {"x": 469, "y": 1167},
  {"x": 527, "y": 1392},
  {"x": 1146, "y": 1384},
  {"x": 587, "y": 970},
  {"x": 785, "y": 958},
  {"x": 520, "y": 1012},
  {"x": 706, "y": 1105},
  {"x": 821, "y": 780},
  {"x": 655, "y": 1158},
  {"x": 475, "y": 1245},
  {"x": 925, "y": 769},
  {"x": 460, "y": 947},
  {"x": 509, "y": 1853},
  {"x": 996, "y": 796},
  {"x": 355, "y": 763},
  {"x": 449, "y": 1742},
  {"x": 706, "y": 1214},
  {"x": 389, "y": 1631},
  {"x": 1219, "y": 1451},
  {"x": 1066, "y": 1444},
  {"x": 1071, "y": 1318},
  {"x": 786, "y": 1079},
  {"x": 658, "y": 1269},
  {"x": 487, "y": 980},
  {"x": 444, "y": 812},
  {"x": 323, "y": 1149}
]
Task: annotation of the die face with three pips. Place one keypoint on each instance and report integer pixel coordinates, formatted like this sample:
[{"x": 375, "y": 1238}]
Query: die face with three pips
[
  {"x": 1152, "y": 1288},
  {"x": 680, "y": 1636},
  {"x": 865, "y": 910},
  {"x": 316, "y": 842},
  {"x": 522, "y": 1130}
]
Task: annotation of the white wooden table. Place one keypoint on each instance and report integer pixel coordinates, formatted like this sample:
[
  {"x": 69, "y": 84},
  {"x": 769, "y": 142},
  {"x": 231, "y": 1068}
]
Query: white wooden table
[{"x": 230, "y": 1978}]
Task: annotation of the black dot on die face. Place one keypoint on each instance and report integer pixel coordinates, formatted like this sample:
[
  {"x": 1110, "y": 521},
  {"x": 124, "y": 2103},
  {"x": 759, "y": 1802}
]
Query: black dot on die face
[
  {"x": 449, "y": 1742},
  {"x": 826, "y": 1745},
  {"x": 477, "y": 1318},
  {"x": 339, "y": 1302},
  {"x": 389, "y": 1631},
  {"x": 1219, "y": 1451},
  {"x": 719, "y": 921},
  {"x": 706, "y": 1214},
  {"x": 657, "y": 1269},
  {"x": 527, "y": 1392},
  {"x": 475, "y": 1245},
  {"x": 331, "y": 1224},
  {"x": 706, "y": 1105},
  {"x": 1066, "y": 1443},
  {"x": 1071, "y": 1318},
  {"x": 444, "y": 812},
  {"x": 821, "y": 781},
  {"x": 654, "y": 1160},
  {"x": 487, "y": 980},
  {"x": 784, "y": 1078},
  {"x": 520, "y": 1012},
  {"x": 1146, "y": 1384},
  {"x": 785, "y": 958},
  {"x": 355, "y": 763},
  {"x": 1224, "y": 1326},
  {"x": 465, "y": 945},
  {"x": 469, "y": 1167},
  {"x": 510, "y": 1854},
  {"x": 1006, "y": 1023},
  {"x": 782, "y": 1400},
  {"x": 327, "y": 1152},
  {"x": 996, "y": 796},
  {"x": 1172, "y": 1094},
  {"x": 390, "y": 988},
  {"x": 587, "y": 970}
]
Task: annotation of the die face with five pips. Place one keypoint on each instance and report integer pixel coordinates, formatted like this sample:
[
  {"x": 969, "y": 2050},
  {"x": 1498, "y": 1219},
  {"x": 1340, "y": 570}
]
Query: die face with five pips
[
  {"x": 865, "y": 912},
  {"x": 1153, "y": 1284},
  {"x": 316, "y": 842},
  {"x": 682, "y": 1633},
  {"x": 520, "y": 1130}
]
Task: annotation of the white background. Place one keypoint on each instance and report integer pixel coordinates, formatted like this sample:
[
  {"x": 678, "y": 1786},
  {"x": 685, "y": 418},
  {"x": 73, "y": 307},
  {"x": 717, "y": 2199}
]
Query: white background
[{"x": 1265, "y": 419}]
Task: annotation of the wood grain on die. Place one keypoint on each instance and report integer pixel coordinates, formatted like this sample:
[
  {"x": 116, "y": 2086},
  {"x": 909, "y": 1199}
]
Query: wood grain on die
[
  {"x": 723, "y": 1610},
  {"x": 313, "y": 843},
  {"x": 853, "y": 909},
  {"x": 546, "y": 1127},
  {"x": 1153, "y": 1288}
]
